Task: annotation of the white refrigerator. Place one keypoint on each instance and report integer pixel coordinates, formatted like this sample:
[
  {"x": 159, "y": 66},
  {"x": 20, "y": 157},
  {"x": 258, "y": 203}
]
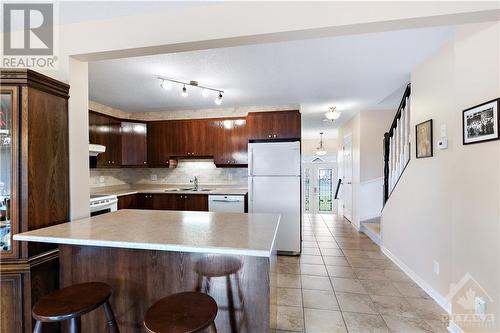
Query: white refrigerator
[{"x": 274, "y": 187}]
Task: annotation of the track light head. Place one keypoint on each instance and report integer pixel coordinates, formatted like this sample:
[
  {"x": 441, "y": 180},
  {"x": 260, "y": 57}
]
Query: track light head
[
  {"x": 184, "y": 91},
  {"x": 165, "y": 84},
  {"x": 218, "y": 100},
  {"x": 205, "y": 92}
]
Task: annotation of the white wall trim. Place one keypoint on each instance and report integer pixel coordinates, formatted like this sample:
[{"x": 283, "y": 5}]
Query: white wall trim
[
  {"x": 418, "y": 280},
  {"x": 454, "y": 328},
  {"x": 370, "y": 217}
]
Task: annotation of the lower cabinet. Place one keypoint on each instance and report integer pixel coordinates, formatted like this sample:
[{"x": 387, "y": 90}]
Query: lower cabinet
[
  {"x": 127, "y": 201},
  {"x": 170, "y": 201},
  {"x": 22, "y": 283}
]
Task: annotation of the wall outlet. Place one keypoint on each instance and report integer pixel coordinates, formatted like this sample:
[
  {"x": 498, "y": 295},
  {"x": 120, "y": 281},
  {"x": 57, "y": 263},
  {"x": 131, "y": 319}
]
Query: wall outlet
[
  {"x": 480, "y": 307},
  {"x": 436, "y": 267},
  {"x": 442, "y": 143},
  {"x": 154, "y": 178},
  {"x": 101, "y": 179}
]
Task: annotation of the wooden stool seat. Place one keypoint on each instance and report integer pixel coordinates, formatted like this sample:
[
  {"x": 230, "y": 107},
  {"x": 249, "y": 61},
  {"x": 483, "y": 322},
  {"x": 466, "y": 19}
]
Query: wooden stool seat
[
  {"x": 217, "y": 266},
  {"x": 72, "y": 301},
  {"x": 181, "y": 313}
]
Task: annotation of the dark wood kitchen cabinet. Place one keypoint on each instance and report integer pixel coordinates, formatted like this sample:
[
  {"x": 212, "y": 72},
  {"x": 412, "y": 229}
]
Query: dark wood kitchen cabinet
[
  {"x": 192, "y": 138},
  {"x": 171, "y": 201},
  {"x": 274, "y": 125},
  {"x": 133, "y": 144},
  {"x": 106, "y": 130},
  {"x": 127, "y": 201},
  {"x": 231, "y": 141},
  {"x": 160, "y": 142},
  {"x": 34, "y": 152}
]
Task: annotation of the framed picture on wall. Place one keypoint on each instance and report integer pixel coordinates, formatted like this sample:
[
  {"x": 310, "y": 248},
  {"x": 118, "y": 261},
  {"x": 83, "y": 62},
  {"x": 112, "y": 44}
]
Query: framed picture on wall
[
  {"x": 423, "y": 132},
  {"x": 480, "y": 122}
]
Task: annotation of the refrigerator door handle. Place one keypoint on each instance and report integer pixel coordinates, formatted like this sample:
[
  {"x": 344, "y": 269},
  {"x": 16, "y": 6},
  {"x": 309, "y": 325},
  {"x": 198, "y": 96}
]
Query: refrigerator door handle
[
  {"x": 250, "y": 195},
  {"x": 250, "y": 162}
]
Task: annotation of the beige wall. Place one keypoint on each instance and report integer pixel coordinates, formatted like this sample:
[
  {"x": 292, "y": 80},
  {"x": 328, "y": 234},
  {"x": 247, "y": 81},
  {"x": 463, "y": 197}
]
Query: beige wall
[
  {"x": 450, "y": 202},
  {"x": 373, "y": 126}
]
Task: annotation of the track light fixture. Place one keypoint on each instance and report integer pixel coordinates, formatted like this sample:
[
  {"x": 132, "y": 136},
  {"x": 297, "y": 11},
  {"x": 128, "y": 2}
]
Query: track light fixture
[
  {"x": 167, "y": 84},
  {"x": 218, "y": 100}
]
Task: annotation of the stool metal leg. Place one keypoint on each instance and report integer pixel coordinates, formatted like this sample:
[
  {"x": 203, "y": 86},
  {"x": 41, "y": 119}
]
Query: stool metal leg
[
  {"x": 110, "y": 319},
  {"x": 75, "y": 325},
  {"x": 230, "y": 303},
  {"x": 38, "y": 327}
]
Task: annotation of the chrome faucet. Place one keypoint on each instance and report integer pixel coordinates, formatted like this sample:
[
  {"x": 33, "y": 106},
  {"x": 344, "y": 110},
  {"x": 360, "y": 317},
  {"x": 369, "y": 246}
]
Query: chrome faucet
[{"x": 195, "y": 183}]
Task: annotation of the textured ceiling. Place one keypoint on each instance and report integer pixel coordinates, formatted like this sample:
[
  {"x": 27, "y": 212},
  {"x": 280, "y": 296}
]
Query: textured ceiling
[{"x": 353, "y": 72}]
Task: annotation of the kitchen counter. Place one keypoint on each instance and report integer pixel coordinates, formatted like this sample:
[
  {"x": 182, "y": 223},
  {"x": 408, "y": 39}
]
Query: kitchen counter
[
  {"x": 201, "y": 232},
  {"x": 145, "y": 255},
  {"x": 120, "y": 190}
]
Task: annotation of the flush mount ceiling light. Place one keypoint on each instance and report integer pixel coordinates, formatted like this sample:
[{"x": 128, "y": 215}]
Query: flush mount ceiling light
[
  {"x": 333, "y": 113},
  {"x": 320, "y": 151},
  {"x": 167, "y": 84}
]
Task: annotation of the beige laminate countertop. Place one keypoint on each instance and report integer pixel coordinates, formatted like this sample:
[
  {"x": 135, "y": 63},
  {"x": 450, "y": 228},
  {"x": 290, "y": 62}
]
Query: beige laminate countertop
[
  {"x": 177, "y": 231},
  {"x": 155, "y": 189}
]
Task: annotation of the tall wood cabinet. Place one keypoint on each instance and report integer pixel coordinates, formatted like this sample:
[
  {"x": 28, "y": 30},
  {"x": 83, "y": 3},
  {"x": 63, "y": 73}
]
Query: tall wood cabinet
[{"x": 34, "y": 189}]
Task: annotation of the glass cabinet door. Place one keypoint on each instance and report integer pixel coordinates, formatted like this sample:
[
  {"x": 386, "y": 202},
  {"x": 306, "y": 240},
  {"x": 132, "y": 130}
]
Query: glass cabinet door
[{"x": 8, "y": 170}]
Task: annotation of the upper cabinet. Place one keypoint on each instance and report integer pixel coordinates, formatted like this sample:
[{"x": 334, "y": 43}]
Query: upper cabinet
[
  {"x": 230, "y": 138},
  {"x": 105, "y": 130},
  {"x": 156, "y": 143},
  {"x": 134, "y": 144},
  {"x": 274, "y": 125}
]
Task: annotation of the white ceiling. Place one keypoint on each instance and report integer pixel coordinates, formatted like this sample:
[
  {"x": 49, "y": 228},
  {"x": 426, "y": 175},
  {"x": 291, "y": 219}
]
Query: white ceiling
[{"x": 361, "y": 72}]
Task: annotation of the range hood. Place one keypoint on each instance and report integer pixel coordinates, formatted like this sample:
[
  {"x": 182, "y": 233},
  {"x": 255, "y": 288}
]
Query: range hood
[{"x": 94, "y": 150}]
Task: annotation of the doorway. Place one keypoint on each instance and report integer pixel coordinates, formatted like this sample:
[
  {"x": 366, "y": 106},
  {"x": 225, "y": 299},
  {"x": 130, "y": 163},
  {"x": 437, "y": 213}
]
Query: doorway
[{"x": 319, "y": 187}]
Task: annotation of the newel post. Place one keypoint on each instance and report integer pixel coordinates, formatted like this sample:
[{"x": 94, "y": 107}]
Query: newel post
[{"x": 387, "y": 138}]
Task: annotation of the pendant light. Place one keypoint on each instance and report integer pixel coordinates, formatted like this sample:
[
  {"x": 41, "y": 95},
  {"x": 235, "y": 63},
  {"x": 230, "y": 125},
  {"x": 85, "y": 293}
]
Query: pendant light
[
  {"x": 333, "y": 113},
  {"x": 320, "y": 151}
]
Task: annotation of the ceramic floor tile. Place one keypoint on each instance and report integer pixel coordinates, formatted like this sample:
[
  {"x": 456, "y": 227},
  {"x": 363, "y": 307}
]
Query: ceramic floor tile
[
  {"x": 381, "y": 288},
  {"x": 319, "y": 299},
  {"x": 309, "y": 244},
  {"x": 352, "y": 302},
  {"x": 427, "y": 308},
  {"x": 290, "y": 319},
  {"x": 328, "y": 245},
  {"x": 347, "y": 285},
  {"x": 438, "y": 326},
  {"x": 316, "y": 282},
  {"x": 365, "y": 323},
  {"x": 406, "y": 325},
  {"x": 289, "y": 297},
  {"x": 323, "y": 321},
  {"x": 396, "y": 276},
  {"x": 340, "y": 271},
  {"x": 289, "y": 281},
  {"x": 410, "y": 289},
  {"x": 370, "y": 274},
  {"x": 311, "y": 251},
  {"x": 393, "y": 306},
  {"x": 307, "y": 259},
  {"x": 310, "y": 269},
  {"x": 335, "y": 261},
  {"x": 287, "y": 268}
]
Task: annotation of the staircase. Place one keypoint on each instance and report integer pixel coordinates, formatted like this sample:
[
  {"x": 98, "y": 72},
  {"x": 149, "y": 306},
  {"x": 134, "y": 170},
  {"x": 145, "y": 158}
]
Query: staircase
[{"x": 397, "y": 145}]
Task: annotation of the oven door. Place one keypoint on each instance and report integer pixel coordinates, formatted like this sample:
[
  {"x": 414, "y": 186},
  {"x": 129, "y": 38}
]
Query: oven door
[{"x": 103, "y": 208}]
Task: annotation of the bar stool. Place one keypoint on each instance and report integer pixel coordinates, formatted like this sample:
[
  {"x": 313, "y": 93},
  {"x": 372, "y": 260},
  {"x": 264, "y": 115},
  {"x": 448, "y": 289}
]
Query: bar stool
[
  {"x": 213, "y": 266},
  {"x": 185, "y": 312},
  {"x": 71, "y": 303}
]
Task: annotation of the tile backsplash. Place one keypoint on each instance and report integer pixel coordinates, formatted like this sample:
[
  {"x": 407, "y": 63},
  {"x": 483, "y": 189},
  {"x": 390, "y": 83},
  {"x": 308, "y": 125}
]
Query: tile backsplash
[{"x": 205, "y": 170}]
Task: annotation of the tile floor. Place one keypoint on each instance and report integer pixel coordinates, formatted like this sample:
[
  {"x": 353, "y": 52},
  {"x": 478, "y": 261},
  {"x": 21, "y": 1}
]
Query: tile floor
[{"x": 342, "y": 282}]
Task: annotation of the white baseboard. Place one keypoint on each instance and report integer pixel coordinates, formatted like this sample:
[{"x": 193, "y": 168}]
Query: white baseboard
[
  {"x": 454, "y": 328},
  {"x": 418, "y": 280}
]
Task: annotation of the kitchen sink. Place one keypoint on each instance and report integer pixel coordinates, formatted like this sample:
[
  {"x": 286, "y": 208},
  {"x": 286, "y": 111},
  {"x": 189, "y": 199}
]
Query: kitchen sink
[{"x": 190, "y": 189}]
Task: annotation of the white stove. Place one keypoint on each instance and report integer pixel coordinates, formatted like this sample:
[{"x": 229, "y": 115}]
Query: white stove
[{"x": 102, "y": 204}]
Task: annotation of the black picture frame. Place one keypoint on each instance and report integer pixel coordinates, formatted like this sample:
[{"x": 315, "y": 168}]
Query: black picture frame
[
  {"x": 430, "y": 153},
  {"x": 466, "y": 140}
]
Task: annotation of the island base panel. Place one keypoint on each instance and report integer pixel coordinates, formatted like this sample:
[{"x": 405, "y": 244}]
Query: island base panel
[{"x": 141, "y": 277}]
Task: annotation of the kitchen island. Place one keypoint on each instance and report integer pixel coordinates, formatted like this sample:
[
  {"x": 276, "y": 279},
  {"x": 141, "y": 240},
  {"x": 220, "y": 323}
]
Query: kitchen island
[{"x": 146, "y": 255}]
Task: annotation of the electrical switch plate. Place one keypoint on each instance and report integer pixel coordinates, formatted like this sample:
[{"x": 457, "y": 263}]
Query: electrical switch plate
[
  {"x": 154, "y": 178},
  {"x": 480, "y": 307},
  {"x": 436, "y": 267},
  {"x": 443, "y": 143},
  {"x": 443, "y": 130}
]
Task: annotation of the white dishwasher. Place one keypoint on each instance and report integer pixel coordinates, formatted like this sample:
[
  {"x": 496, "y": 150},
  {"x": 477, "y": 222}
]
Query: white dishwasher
[{"x": 226, "y": 203}]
